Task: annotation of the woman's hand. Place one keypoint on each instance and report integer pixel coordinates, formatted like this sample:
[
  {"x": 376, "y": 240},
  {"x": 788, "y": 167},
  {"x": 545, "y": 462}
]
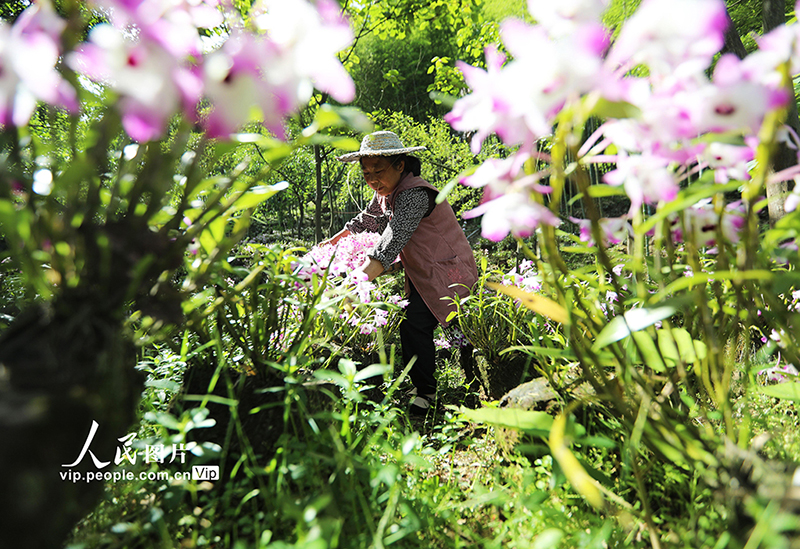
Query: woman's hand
[{"x": 372, "y": 268}]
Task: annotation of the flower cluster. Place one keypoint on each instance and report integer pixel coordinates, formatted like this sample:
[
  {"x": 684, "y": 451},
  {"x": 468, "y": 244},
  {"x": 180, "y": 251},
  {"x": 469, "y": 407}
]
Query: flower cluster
[
  {"x": 373, "y": 307},
  {"x": 524, "y": 277},
  {"x": 368, "y": 320},
  {"x": 779, "y": 373},
  {"x": 339, "y": 259},
  {"x": 569, "y": 57},
  {"x": 451, "y": 337},
  {"x": 613, "y": 230},
  {"x": 152, "y": 58},
  {"x": 29, "y": 53},
  {"x": 704, "y": 223}
]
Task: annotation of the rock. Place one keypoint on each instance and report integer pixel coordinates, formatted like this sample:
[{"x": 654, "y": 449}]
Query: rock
[{"x": 531, "y": 395}]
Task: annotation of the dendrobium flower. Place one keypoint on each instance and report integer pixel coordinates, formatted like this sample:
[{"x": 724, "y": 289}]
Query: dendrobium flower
[
  {"x": 728, "y": 161},
  {"x": 702, "y": 221},
  {"x": 343, "y": 258},
  {"x": 566, "y": 16},
  {"x": 566, "y": 57},
  {"x": 172, "y": 24},
  {"x": 518, "y": 101},
  {"x": 512, "y": 212},
  {"x": 666, "y": 34},
  {"x": 524, "y": 277},
  {"x": 269, "y": 77},
  {"x": 548, "y": 71},
  {"x": 507, "y": 205},
  {"x": 29, "y": 52},
  {"x": 779, "y": 46},
  {"x": 734, "y": 102},
  {"x": 233, "y": 78},
  {"x": 498, "y": 176},
  {"x": 793, "y": 200},
  {"x": 307, "y": 39},
  {"x": 645, "y": 177},
  {"x": 490, "y": 108},
  {"x": 613, "y": 229},
  {"x": 779, "y": 373},
  {"x": 153, "y": 58},
  {"x": 151, "y": 83}
]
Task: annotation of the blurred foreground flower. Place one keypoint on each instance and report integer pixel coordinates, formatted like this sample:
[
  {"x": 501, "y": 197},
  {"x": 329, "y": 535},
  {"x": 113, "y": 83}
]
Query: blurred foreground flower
[
  {"x": 663, "y": 129},
  {"x": 29, "y": 53},
  {"x": 150, "y": 55}
]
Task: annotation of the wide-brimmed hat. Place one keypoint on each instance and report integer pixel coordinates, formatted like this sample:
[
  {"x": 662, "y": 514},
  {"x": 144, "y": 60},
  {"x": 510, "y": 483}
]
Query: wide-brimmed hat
[{"x": 379, "y": 144}]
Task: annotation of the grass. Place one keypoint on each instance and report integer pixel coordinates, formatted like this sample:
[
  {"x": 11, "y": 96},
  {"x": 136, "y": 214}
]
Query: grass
[
  {"x": 318, "y": 460},
  {"x": 439, "y": 482}
]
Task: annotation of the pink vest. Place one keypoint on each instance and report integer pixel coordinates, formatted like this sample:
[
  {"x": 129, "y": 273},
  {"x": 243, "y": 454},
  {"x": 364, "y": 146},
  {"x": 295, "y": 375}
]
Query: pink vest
[{"x": 437, "y": 259}]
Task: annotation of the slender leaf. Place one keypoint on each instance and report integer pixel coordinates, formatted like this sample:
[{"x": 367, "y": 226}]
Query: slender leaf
[
  {"x": 785, "y": 391},
  {"x": 536, "y": 423},
  {"x": 534, "y": 302},
  {"x": 634, "y": 320}
]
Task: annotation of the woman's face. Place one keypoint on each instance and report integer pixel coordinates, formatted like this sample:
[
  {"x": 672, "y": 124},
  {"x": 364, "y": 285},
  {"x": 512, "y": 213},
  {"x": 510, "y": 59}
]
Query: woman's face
[{"x": 380, "y": 174}]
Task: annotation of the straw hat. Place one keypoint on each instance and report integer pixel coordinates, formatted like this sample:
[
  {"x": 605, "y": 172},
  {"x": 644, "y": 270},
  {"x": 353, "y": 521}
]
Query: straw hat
[{"x": 380, "y": 144}]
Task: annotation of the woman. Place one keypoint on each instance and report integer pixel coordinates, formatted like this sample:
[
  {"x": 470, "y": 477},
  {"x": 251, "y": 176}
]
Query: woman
[{"x": 433, "y": 250}]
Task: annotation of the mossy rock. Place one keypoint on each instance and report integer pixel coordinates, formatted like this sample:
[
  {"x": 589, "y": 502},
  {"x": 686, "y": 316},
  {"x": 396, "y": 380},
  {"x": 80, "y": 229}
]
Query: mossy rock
[
  {"x": 535, "y": 394},
  {"x": 505, "y": 372}
]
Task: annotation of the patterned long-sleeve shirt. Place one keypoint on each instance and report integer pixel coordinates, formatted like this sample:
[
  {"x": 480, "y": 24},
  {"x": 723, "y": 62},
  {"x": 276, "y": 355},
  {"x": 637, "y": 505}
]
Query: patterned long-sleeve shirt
[{"x": 395, "y": 227}]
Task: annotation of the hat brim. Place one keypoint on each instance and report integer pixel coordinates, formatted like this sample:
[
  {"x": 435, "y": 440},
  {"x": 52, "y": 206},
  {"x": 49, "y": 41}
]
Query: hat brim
[{"x": 352, "y": 157}]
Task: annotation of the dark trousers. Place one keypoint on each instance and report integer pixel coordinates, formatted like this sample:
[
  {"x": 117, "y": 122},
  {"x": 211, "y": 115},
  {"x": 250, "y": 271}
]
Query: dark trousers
[{"x": 416, "y": 339}]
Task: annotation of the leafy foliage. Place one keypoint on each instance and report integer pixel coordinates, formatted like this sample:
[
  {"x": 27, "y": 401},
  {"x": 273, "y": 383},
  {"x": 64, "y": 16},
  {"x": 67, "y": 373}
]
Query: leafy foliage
[{"x": 661, "y": 430}]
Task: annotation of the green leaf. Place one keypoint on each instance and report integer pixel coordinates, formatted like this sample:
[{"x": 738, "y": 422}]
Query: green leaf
[
  {"x": 785, "y": 281},
  {"x": 326, "y": 117},
  {"x": 634, "y": 320},
  {"x": 541, "y": 351},
  {"x": 677, "y": 346},
  {"x": 535, "y": 302},
  {"x": 213, "y": 234},
  {"x": 536, "y": 423},
  {"x": 786, "y": 391},
  {"x": 581, "y": 481},
  {"x": 372, "y": 370},
  {"x": 446, "y": 190},
  {"x": 272, "y": 149},
  {"x": 615, "y": 109},
  {"x": 578, "y": 250},
  {"x": 547, "y": 539},
  {"x": 700, "y": 279},
  {"x": 348, "y": 368},
  {"x": 259, "y": 194},
  {"x": 250, "y": 495},
  {"x": 230, "y": 402},
  {"x": 601, "y": 191},
  {"x": 165, "y": 384},
  {"x": 648, "y": 351},
  {"x": 204, "y": 186},
  {"x": 164, "y": 419},
  {"x": 333, "y": 377},
  {"x": 443, "y": 99}
]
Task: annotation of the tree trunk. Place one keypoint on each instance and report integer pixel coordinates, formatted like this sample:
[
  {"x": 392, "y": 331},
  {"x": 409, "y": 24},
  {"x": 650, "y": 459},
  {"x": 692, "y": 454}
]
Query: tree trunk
[
  {"x": 773, "y": 15},
  {"x": 733, "y": 42},
  {"x": 318, "y": 196},
  {"x": 301, "y": 217}
]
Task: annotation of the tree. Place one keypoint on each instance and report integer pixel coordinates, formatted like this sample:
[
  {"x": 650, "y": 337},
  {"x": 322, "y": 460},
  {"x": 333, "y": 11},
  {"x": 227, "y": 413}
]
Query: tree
[
  {"x": 773, "y": 16},
  {"x": 411, "y": 47}
]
